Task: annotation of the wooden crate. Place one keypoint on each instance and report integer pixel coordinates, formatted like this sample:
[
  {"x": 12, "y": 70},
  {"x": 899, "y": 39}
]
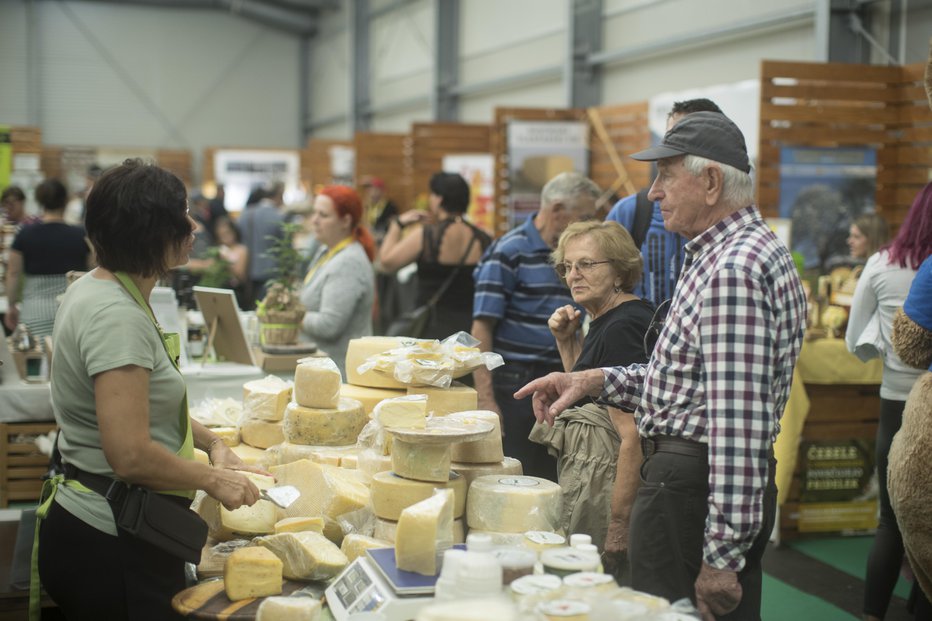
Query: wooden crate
[{"x": 21, "y": 464}]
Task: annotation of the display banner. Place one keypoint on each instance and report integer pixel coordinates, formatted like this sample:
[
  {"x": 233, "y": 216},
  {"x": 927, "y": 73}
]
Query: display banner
[
  {"x": 478, "y": 170},
  {"x": 6, "y": 156},
  {"x": 241, "y": 171},
  {"x": 837, "y": 493}
]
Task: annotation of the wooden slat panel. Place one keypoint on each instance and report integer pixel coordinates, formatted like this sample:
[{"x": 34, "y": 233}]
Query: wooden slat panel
[
  {"x": 830, "y": 72},
  {"x": 813, "y": 92},
  {"x": 431, "y": 142},
  {"x": 802, "y": 135},
  {"x": 318, "y": 169},
  {"x": 384, "y": 156},
  {"x": 860, "y": 116}
]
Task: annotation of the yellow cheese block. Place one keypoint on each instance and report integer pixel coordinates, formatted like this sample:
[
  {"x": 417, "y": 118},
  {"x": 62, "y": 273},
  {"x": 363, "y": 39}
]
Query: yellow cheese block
[
  {"x": 360, "y": 349},
  {"x": 246, "y": 521},
  {"x": 286, "y": 452},
  {"x": 299, "y": 524},
  {"x": 509, "y": 465},
  {"x": 386, "y": 529},
  {"x": 289, "y": 609},
  {"x": 369, "y": 397},
  {"x": 325, "y": 490},
  {"x": 228, "y": 435},
  {"x": 421, "y": 462},
  {"x": 425, "y": 531},
  {"x": 262, "y": 433},
  {"x": 408, "y": 412},
  {"x": 317, "y": 383},
  {"x": 252, "y": 572},
  {"x": 325, "y": 427},
  {"x": 391, "y": 494},
  {"x": 355, "y": 545},
  {"x": 350, "y": 460},
  {"x": 442, "y": 401},
  {"x": 485, "y": 450},
  {"x": 250, "y": 455},
  {"x": 513, "y": 504},
  {"x": 265, "y": 399},
  {"x": 305, "y": 555}
]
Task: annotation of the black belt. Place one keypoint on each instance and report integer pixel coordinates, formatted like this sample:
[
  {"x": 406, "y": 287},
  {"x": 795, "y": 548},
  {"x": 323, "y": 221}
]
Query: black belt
[
  {"x": 111, "y": 489},
  {"x": 674, "y": 444}
]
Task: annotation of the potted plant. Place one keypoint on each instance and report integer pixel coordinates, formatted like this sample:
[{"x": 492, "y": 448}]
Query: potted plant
[{"x": 280, "y": 312}]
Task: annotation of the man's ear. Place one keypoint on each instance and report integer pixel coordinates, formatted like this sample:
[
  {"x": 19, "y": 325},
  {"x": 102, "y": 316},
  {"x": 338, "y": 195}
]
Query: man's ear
[{"x": 713, "y": 180}]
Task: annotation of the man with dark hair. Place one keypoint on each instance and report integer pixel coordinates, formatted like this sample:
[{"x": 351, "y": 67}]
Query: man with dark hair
[
  {"x": 662, "y": 250},
  {"x": 709, "y": 401}
]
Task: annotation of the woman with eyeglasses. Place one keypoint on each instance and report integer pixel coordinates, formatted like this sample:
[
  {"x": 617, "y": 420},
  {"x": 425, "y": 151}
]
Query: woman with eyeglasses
[{"x": 598, "y": 448}]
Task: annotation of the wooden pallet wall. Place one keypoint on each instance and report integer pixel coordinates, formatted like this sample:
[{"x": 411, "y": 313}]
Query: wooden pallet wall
[
  {"x": 386, "y": 156},
  {"x": 316, "y": 168},
  {"x": 847, "y": 105},
  {"x": 628, "y": 132},
  {"x": 431, "y": 142}
]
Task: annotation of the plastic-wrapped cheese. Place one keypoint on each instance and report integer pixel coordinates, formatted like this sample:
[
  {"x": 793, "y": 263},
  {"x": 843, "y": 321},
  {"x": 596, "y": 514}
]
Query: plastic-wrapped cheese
[
  {"x": 252, "y": 572},
  {"x": 262, "y": 433},
  {"x": 286, "y": 452},
  {"x": 265, "y": 399},
  {"x": 408, "y": 412},
  {"x": 299, "y": 524},
  {"x": 371, "y": 462},
  {"x": 250, "y": 455},
  {"x": 442, "y": 401},
  {"x": 305, "y": 555},
  {"x": 360, "y": 349},
  {"x": 513, "y": 504},
  {"x": 317, "y": 383},
  {"x": 421, "y": 462},
  {"x": 369, "y": 397},
  {"x": 355, "y": 545},
  {"x": 484, "y": 450},
  {"x": 324, "y": 427},
  {"x": 425, "y": 530},
  {"x": 325, "y": 490},
  {"x": 289, "y": 609},
  {"x": 386, "y": 529},
  {"x": 509, "y": 465},
  {"x": 391, "y": 494}
]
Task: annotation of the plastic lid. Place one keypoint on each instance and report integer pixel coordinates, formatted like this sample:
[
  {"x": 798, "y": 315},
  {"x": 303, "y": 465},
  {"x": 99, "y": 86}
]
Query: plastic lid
[
  {"x": 578, "y": 539},
  {"x": 479, "y": 542},
  {"x": 479, "y": 574},
  {"x": 587, "y": 547}
]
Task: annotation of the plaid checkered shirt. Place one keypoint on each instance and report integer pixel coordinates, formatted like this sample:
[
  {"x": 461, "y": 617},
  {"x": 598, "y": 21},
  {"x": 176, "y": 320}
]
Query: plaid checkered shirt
[{"x": 721, "y": 370}]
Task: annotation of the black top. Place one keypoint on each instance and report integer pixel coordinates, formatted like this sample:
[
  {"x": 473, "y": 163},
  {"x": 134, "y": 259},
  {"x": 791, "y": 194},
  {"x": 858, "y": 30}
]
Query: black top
[
  {"x": 616, "y": 338},
  {"x": 454, "y": 309},
  {"x": 52, "y": 248}
]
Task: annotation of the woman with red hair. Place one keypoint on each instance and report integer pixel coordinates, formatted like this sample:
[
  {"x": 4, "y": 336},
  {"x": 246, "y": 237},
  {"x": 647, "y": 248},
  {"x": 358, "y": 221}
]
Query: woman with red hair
[{"x": 339, "y": 287}]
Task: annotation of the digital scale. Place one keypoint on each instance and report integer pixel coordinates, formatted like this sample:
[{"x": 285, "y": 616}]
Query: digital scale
[{"x": 373, "y": 583}]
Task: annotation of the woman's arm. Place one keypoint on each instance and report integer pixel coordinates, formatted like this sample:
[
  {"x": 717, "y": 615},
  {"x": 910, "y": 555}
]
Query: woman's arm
[
  {"x": 13, "y": 269},
  {"x": 239, "y": 262},
  {"x": 564, "y": 325},
  {"x": 122, "y": 400},
  {"x": 398, "y": 251}
]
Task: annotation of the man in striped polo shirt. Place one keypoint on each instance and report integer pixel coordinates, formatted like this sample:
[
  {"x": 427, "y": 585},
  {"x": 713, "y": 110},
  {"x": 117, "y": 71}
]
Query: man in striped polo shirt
[{"x": 517, "y": 290}]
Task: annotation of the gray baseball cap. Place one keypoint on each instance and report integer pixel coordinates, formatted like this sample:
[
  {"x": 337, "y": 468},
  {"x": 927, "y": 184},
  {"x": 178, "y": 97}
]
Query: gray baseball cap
[{"x": 711, "y": 135}]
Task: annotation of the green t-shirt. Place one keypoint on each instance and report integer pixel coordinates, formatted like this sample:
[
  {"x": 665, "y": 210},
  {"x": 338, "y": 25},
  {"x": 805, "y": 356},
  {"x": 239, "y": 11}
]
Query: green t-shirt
[{"x": 98, "y": 328}]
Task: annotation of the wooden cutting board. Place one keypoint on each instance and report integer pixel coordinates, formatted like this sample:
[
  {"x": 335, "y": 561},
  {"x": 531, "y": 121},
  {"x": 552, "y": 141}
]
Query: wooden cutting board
[{"x": 209, "y": 602}]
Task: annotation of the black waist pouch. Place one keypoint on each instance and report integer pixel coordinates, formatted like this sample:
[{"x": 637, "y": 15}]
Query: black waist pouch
[{"x": 164, "y": 520}]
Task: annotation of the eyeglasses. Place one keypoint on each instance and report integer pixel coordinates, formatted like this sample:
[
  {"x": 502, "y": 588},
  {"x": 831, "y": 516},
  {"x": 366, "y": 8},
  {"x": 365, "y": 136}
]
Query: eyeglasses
[
  {"x": 656, "y": 325},
  {"x": 582, "y": 266}
]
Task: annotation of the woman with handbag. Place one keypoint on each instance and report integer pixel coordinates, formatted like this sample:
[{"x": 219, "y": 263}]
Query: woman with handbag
[
  {"x": 446, "y": 250},
  {"x": 339, "y": 287},
  {"x": 121, "y": 406},
  {"x": 880, "y": 292}
]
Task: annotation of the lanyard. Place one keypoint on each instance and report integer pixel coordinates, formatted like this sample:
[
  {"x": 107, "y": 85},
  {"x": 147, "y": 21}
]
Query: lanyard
[{"x": 329, "y": 255}]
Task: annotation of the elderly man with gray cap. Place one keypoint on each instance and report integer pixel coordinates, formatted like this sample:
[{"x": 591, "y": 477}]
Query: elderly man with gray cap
[{"x": 709, "y": 401}]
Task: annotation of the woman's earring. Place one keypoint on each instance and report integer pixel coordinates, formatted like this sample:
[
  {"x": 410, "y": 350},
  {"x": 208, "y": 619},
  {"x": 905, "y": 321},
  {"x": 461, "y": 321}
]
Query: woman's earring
[{"x": 617, "y": 288}]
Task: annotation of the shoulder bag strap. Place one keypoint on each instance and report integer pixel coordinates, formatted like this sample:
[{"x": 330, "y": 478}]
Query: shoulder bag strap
[{"x": 449, "y": 281}]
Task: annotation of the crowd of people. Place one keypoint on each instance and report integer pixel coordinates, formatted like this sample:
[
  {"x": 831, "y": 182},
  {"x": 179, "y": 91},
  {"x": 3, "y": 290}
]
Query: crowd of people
[{"x": 648, "y": 355}]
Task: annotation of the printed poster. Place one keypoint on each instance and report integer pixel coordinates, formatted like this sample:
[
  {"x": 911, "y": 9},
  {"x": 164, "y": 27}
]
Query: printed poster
[
  {"x": 242, "y": 171},
  {"x": 478, "y": 170}
]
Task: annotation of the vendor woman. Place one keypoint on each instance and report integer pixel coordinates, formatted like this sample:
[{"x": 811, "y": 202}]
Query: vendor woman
[{"x": 120, "y": 403}]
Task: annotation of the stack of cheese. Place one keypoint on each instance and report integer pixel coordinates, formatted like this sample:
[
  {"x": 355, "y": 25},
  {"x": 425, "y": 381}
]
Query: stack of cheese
[
  {"x": 417, "y": 470},
  {"x": 319, "y": 424},
  {"x": 484, "y": 456},
  {"x": 264, "y": 403}
]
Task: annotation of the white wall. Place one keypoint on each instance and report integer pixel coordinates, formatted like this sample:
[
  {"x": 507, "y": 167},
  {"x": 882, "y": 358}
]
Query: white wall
[{"x": 111, "y": 75}]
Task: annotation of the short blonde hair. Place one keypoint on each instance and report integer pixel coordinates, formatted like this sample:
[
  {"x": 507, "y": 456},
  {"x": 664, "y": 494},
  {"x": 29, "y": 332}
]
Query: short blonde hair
[{"x": 615, "y": 243}]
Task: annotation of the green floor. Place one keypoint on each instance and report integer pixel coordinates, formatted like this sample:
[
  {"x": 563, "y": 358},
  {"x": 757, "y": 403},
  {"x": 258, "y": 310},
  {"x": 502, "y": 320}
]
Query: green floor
[
  {"x": 847, "y": 554},
  {"x": 781, "y": 602}
]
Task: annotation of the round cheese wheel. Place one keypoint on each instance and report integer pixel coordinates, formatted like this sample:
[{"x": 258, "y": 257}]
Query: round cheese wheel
[
  {"x": 324, "y": 427},
  {"x": 509, "y": 465},
  {"x": 421, "y": 462},
  {"x": 359, "y": 350},
  {"x": 485, "y": 450},
  {"x": 391, "y": 494},
  {"x": 513, "y": 504}
]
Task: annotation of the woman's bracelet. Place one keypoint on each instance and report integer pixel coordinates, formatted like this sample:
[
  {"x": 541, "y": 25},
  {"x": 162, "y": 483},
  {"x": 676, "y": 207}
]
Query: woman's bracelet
[{"x": 209, "y": 448}]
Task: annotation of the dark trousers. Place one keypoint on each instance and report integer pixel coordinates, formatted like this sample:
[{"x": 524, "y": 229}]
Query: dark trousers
[
  {"x": 92, "y": 575},
  {"x": 518, "y": 417},
  {"x": 667, "y": 532}
]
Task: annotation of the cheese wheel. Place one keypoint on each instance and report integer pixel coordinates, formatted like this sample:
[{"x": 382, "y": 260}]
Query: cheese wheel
[
  {"x": 408, "y": 412},
  {"x": 392, "y": 494},
  {"x": 421, "y": 462},
  {"x": 359, "y": 350},
  {"x": 262, "y": 433},
  {"x": 425, "y": 531},
  {"x": 487, "y": 450},
  {"x": 386, "y": 529},
  {"x": 279, "y": 608},
  {"x": 299, "y": 524},
  {"x": 252, "y": 572},
  {"x": 325, "y": 490},
  {"x": 513, "y": 504},
  {"x": 369, "y": 397},
  {"x": 324, "y": 427},
  {"x": 509, "y": 465},
  {"x": 442, "y": 401},
  {"x": 305, "y": 555},
  {"x": 355, "y": 545},
  {"x": 317, "y": 383},
  {"x": 265, "y": 399}
]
